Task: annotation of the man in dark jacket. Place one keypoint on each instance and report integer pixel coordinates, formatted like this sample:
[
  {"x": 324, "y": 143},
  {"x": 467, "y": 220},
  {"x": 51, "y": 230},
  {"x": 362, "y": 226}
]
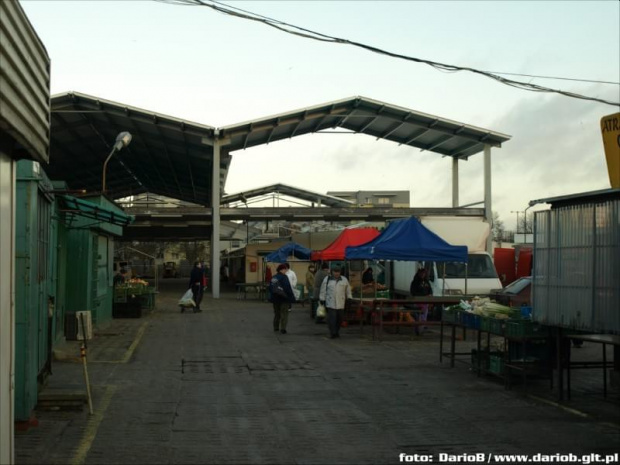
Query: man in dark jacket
[
  {"x": 195, "y": 284},
  {"x": 420, "y": 287},
  {"x": 281, "y": 297}
]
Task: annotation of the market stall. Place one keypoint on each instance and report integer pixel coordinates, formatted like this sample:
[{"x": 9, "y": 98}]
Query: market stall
[
  {"x": 282, "y": 255},
  {"x": 404, "y": 240},
  {"x": 351, "y": 237}
]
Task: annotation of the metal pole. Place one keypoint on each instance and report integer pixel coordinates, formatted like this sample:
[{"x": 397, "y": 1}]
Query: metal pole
[
  {"x": 488, "y": 212},
  {"x": 215, "y": 227},
  {"x": 105, "y": 167},
  {"x": 455, "y": 182}
]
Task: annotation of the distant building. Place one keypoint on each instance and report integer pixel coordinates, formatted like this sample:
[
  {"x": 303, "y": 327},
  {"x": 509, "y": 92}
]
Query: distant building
[{"x": 387, "y": 199}]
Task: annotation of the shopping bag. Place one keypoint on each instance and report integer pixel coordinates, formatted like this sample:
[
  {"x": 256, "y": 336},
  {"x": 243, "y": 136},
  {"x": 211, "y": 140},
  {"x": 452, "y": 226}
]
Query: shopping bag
[
  {"x": 321, "y": 311},
  {"x": 188, "y": 299}
]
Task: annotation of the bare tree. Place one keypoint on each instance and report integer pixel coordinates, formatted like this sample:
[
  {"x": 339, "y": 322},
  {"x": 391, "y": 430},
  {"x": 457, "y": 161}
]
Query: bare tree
[{"x": 498, "y": 229}]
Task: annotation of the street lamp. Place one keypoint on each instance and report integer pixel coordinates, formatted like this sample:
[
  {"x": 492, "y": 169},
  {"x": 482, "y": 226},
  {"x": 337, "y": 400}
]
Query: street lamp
[{"x": 122, "y": 140}]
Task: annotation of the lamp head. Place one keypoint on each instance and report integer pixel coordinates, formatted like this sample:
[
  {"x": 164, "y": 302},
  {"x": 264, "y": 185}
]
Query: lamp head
[{"x": 122, "y": 140}]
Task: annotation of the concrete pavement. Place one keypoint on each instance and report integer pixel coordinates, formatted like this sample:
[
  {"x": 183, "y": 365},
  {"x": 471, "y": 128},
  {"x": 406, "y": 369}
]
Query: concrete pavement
[{"x": 249, "y": 395}]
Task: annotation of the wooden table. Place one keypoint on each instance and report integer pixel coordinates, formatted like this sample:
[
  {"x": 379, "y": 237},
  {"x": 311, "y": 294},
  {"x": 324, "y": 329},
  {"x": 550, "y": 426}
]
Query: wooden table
[{"x": 379, "y": 307}]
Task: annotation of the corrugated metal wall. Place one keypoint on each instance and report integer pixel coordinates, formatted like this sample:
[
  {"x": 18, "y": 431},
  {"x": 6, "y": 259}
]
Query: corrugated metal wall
[
  {"x": 577, "y": 267},
  {"x": 24, "y": 83}
]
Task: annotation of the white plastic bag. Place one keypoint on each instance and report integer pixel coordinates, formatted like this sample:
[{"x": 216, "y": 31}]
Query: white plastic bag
[
  {"x": 321, "y": 311},
  {"x": 188, "y": 299}
]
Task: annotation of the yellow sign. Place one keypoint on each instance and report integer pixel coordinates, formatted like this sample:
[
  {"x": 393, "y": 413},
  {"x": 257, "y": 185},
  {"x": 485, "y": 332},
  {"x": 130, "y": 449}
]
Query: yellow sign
[{"x": 610, "y": 127}]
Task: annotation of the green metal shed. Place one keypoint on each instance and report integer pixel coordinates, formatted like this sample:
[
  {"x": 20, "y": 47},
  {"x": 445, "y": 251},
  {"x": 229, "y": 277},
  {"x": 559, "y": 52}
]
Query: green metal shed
[
  {"x": 91, "y": 225},
  {"x": 35, "y": 270},
  {"x": 49, "y": 288}
]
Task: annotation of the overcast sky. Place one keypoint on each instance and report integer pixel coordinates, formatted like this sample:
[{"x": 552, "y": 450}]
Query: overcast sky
[{"x": 206, "y": 67}]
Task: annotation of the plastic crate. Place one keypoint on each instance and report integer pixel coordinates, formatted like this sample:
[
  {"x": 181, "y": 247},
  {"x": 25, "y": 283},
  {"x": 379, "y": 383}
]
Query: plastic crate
[
  {"x": 120, "y": 295},
  {"x": 485, "y": 323},
  {"x": 450, "y": 316},
  {"x": 525, "y": 328},
  {"x": 470, "y": 320},
  {"x": 496, "y": 364},
  {"x": 496, "y": 326}
]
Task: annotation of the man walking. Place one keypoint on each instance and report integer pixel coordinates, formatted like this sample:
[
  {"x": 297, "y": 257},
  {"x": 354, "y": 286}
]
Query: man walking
[
  {"x": 335, "y": 290},
  {"x": 281, "y": 294}
]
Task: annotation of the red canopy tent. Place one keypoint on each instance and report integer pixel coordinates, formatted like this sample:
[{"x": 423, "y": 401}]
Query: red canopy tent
[{"x": 349, "y": 237}]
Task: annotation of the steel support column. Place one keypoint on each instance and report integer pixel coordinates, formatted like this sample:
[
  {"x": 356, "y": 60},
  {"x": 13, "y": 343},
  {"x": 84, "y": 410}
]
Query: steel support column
[
  {"x": 455, "y": 182},
  {"x": 488, "y": 208},
  {"x": 215, "y": 228}
]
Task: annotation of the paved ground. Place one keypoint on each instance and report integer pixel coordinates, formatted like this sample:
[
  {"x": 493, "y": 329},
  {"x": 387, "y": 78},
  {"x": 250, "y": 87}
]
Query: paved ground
[{"x": 249, "y": 395}]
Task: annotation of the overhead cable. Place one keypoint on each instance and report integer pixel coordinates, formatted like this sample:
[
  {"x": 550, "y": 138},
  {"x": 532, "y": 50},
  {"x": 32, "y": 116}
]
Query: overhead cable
[{"x": 309, "y": 34}]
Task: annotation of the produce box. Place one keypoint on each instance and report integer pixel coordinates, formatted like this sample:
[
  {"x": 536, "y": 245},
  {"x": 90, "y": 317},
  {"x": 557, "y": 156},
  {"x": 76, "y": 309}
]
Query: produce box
[
  {"x": 470, "y": 320},
  {"x": 485, "y": 323},
  {"x": 496, "y": 326},
  {"x": 496, "y": 364},
  {"x": 120, "y": 295},
  {"x": 525, "y": 328},
  {"x": 450, "y": 315}
]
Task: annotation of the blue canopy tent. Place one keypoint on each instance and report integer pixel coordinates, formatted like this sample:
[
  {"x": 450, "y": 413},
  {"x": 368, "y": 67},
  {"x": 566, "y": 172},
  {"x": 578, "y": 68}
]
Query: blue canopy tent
[
  {"x": 288, "y": 249},
  {"x": 409, "y": 240}
]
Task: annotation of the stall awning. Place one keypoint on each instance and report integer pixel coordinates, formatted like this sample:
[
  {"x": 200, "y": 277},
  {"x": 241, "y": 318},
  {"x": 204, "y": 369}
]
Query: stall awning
[
  {"x": 291, "y": 248},
  {"x": 408, "y": 240},
  {"x": 349, "y": 237},
  {"x": 93, "y": 211}
]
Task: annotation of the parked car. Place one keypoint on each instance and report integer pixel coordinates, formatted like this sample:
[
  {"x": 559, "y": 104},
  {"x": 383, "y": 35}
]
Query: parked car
[
  {"x": 516, "y": 294},
  {"x": 170, "y": 270}
]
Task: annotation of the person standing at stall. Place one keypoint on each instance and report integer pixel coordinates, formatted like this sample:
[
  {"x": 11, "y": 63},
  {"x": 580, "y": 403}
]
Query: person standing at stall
[
  {"x": 310, "y": 279},
  {"x": 335, "y": 290},
  {"x": 281, "y": 295},
  {"x": 195, "y": 284},
  {"x": 420, "y": 287}
]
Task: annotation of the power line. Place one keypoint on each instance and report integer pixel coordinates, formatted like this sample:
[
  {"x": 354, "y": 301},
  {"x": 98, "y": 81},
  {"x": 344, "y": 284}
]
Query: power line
[
  {"x": 309, "y": 34},
  {"x": 556, "y": 77}
]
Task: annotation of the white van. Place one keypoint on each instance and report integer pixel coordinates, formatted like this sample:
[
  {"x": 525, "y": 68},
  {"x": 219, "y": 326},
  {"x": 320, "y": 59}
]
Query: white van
[{"x": 481, "y": 275}]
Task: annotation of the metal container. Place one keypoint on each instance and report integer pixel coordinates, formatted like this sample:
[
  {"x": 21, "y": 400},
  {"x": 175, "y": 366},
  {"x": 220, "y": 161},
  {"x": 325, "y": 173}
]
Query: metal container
[{"x": 576, "y": 279}]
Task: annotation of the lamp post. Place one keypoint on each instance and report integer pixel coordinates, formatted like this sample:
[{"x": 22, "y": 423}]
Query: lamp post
[{"x": 122, "y": 140}]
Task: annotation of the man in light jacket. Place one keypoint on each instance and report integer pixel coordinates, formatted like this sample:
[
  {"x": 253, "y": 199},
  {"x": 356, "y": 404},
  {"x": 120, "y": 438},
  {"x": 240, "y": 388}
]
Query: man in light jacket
[{"x": 335, "y": 290}]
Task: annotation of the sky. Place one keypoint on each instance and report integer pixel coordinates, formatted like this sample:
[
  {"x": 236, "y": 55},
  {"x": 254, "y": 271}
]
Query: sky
[{"x": 202, "y": 66}]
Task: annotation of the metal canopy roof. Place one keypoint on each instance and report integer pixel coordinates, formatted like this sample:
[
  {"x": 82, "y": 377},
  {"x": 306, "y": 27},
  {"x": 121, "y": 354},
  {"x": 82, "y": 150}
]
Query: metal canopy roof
[
  {"x": 303, "y": 194},
  {"x": 579, "y": 198},
  {"x": 166, "y": 155},
  {"x": 372, "y": 117},
  {"x": 173, "y": 157}
]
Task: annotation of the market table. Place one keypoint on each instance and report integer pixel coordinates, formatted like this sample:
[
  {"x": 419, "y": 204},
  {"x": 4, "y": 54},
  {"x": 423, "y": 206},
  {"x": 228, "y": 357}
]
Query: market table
[
  {"x": 381, "y": 306},
  {"x": 499, "y": 329},
  {"x": 259, "y": 288},
  {"x": 604, "y": 340}
]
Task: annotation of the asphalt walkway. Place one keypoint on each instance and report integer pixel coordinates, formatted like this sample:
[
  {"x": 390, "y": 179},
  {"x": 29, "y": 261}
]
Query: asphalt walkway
[{"x": 220, "y": 387}]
